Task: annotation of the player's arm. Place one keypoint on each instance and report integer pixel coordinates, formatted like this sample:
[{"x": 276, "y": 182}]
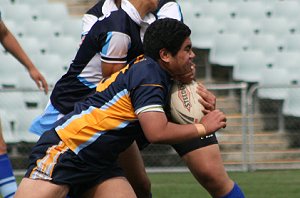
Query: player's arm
[
  {"x": 109, "y": 68},
  {"x": 157, "y": 129},
  {"x": 11, "y": 44},
  {"x": 114, "y": 52}
]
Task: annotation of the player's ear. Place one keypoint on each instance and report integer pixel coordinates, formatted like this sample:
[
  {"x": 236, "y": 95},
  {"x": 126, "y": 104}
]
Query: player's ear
[{"x": 164, "y": 55}]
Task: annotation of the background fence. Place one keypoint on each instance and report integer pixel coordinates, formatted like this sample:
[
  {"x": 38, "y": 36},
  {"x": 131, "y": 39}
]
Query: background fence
[{"x": 262, "y": 133}]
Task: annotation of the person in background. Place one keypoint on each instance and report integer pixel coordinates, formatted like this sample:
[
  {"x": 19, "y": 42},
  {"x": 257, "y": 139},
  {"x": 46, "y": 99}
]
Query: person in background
[
  {"x": 8, "y": 183},
  {"x": 79, "y": 155},
  {"x": 202, "y": 156}
]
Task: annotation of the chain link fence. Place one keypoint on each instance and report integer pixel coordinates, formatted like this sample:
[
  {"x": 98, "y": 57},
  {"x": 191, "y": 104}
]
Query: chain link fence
[{"x": 262, "y": 133}]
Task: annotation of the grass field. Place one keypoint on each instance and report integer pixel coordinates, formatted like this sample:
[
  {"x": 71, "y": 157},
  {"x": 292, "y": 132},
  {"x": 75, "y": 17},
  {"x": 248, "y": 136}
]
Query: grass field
[{"x": 259, "y": 184}]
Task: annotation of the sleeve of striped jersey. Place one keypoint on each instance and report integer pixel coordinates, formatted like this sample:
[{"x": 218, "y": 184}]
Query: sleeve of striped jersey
[
  {"x": 115, "y": 47},
  {"x": 148, "y": 97},
  {"x": 88, "y": 20},
  {"x": 170, "y": 10}
]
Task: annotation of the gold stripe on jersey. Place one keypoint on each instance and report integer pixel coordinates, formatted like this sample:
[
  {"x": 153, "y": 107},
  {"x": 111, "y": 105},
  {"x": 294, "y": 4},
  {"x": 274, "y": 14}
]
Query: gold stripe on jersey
[
  {"x": 83, "y": 129},
  {"x": 152, "y": 85},
  {"x": 104, "y": 84},
  {"x": 44, "y": 168}
]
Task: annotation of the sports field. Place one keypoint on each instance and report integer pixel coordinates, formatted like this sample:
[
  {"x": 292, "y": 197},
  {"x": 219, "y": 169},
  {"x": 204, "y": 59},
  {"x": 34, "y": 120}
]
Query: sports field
[{"x": 259, "y": 184}]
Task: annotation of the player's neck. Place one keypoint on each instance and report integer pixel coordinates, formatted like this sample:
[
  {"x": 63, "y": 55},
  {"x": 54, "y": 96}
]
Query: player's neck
[{"x": 142, "y": 7}]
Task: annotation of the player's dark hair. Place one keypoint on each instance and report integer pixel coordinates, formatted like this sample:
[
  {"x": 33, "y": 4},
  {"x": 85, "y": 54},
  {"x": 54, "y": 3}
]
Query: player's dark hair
[{"x": 165, "y": 33}]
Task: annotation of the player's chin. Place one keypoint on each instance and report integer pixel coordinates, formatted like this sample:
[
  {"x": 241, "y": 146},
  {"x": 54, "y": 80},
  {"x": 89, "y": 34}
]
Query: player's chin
[{"x": 186, "y": 80}]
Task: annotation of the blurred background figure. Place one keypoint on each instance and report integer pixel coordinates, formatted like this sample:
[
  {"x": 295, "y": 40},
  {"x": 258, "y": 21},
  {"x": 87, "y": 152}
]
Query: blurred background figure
[{"x": 8, "y": 184}]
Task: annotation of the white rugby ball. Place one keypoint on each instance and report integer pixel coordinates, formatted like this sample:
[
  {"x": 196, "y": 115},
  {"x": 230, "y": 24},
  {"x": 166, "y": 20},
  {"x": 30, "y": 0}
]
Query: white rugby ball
[{"x": 184, "y": 105}]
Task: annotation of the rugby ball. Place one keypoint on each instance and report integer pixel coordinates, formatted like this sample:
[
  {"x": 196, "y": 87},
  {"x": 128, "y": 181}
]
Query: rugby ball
[{"x": 184, "y": 105}]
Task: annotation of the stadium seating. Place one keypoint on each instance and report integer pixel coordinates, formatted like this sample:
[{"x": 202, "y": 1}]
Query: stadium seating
[
  {"x": 11, "y": 101},
  {"x": 41, "y": 29},
  {"x": 52, "y": 65},
  {"x": 72, "y": 27},
  {"x": 31, "y": 2},
  {"x": 274, "y": 82},
  {"x": 7, "y": 127},
  {"x": 193, "y": 11},
  {"x": 24, "y": 120},
  {"x": 287, "y": 59},
  {"x": 254, "y": 10},
  {"x": 291, "y": 42},
  {"x": 287, "y": 9},
  {"x": 225, "y": 48},
  {"x": 249, "y": 65},
  {"x": 9, "y": 68},
  {"x": 243, "y": 26},
  {"x": 15, "y": 28},
  {"x": 32, "y": 45},
  {"x": 5, "y": 2},
  {"x": 268, "y": 43},
  {"x": 65, "y": 46},
  {"x": 291, "y": 105},
  {"x": 19, "y": 12},
  {"x": 204, "y": 29},
  {"x": 54, "y": 11},
  {"x": 278, "y": 26},
  {"x": 216, "y": 9}
]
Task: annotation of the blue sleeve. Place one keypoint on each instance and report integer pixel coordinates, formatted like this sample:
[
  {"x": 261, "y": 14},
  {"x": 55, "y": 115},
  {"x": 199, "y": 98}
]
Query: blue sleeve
[{"x": 149, "y": 88}]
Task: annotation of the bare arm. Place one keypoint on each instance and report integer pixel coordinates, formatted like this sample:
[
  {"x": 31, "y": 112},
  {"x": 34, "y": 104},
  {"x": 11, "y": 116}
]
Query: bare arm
[
  {"x": 109, "y": 68},
  {"x": 11, "y": 44},
  {"x": 157, "y": 129}
]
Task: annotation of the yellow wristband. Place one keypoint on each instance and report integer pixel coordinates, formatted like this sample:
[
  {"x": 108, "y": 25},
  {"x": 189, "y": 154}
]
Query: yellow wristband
[{"x": 201, "y": 130}]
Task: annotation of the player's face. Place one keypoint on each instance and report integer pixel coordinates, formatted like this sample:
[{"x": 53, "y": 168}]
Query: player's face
[{"x": 182, "y": 62}]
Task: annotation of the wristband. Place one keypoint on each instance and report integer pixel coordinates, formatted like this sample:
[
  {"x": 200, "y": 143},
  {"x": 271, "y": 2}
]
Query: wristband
[{"x": 200, "y": 129}]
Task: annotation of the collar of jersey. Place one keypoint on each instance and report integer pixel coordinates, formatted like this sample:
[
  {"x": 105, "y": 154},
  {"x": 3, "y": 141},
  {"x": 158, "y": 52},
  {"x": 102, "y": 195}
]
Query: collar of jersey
[
  {"x": 134, "y": 14},
  {"x": 108, "y": 7}
]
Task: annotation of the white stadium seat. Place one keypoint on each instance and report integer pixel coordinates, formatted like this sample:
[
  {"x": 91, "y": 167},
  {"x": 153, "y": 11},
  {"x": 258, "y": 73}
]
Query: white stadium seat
[
  {"x": 249, "y": 65},
  {"x": 225, "y": 48}
]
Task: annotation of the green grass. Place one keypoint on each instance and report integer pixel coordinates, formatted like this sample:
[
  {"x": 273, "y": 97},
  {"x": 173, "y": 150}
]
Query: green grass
[{"x": 259, "y": 184}]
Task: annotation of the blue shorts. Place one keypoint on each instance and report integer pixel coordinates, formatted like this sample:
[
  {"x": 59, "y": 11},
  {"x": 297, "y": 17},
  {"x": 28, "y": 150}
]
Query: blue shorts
[{"x": 45, "y": 121}]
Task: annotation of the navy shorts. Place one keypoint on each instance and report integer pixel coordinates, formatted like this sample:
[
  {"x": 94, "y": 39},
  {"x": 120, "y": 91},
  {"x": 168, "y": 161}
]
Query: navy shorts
[
  {"x": 191, "y": 145},
  {"x": 68, "y": 169}
]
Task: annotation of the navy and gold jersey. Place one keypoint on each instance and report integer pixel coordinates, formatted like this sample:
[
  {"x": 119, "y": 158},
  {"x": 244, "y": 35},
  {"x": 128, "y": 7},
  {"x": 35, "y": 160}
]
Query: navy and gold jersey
[
  {"x": 139, "y": 87},
  {"x": 106, "y": 36}
]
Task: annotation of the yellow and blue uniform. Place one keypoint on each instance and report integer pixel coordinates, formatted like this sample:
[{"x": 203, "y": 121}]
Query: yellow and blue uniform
[{"x": 86, "y": 142}]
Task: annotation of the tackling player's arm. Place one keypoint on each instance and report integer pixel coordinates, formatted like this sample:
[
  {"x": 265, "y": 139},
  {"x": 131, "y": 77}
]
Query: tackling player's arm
[
  {"x": 158, "y": 129},
  {"x": 109, "y": 68},
  {"x": 114, "y": 53}
]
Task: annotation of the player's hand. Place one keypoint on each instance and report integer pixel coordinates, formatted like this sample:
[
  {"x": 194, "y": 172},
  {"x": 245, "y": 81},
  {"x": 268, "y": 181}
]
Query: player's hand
[
  {"x": 188, "y": 76},
  {"x": 207, "y": 99},
  {"x": 39, "y": 80},
  {"x": 213, "y": 121}
]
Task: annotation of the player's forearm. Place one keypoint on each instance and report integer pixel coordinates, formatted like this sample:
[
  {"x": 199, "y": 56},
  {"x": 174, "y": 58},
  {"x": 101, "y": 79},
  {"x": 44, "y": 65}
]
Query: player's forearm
[
  {"x": 12, "y": 46},
  {"x": 174, "y": 133},
  {"x": 158, "y": 129}
]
